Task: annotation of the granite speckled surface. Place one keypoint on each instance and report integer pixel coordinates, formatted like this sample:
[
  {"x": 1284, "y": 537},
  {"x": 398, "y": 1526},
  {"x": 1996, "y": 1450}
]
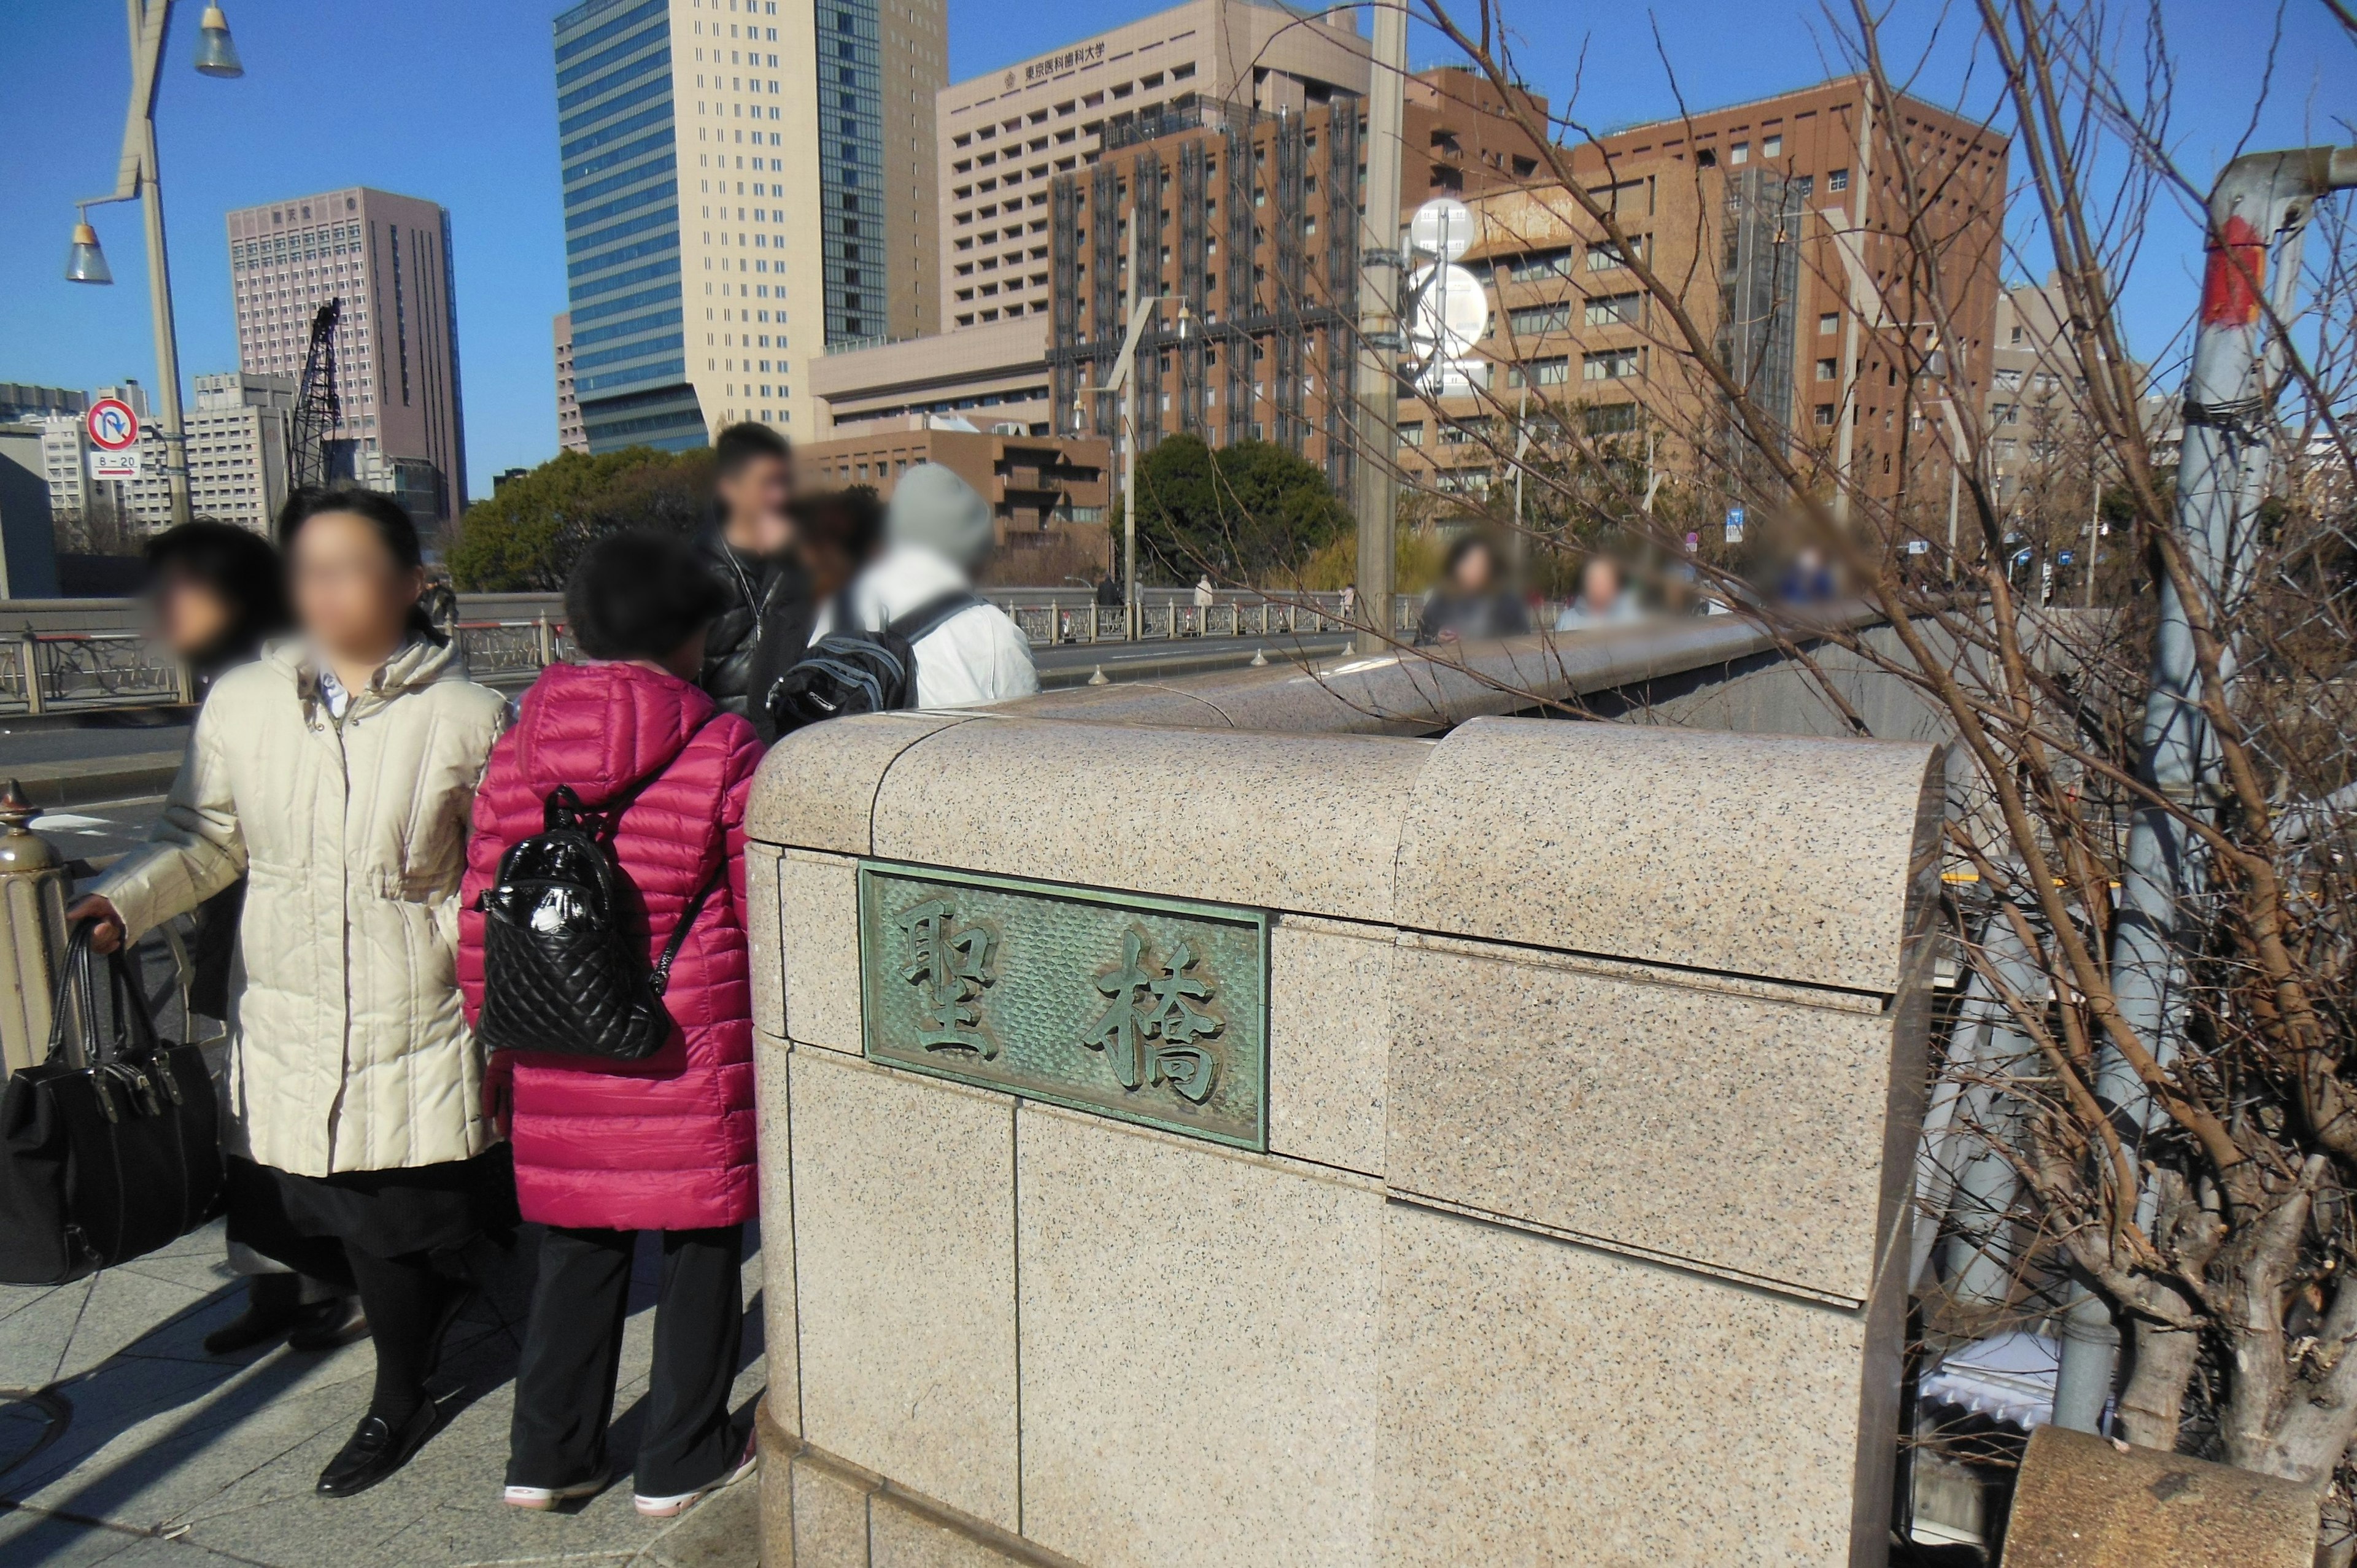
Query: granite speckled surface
[
  {"x": 819, "y": 928},
  {"x": 772, "y": 1093},
  {"x": 900, "y": 1537},
  {"x": 904, "y": 1259},
  {"x": 1294, "y": 822},
  {"x": 1199, "y": 1350},
  {"x": 1543, "y": 1402},
  {"x": 1329, "y": 1016},
  {"x": 829, "y": 1524},
  {"x": 1773, "y": 856},
  {"x": 817, "y": 786},
  {"x": 761, "y": 938},
  {"x": 1652, "y": 1109}
]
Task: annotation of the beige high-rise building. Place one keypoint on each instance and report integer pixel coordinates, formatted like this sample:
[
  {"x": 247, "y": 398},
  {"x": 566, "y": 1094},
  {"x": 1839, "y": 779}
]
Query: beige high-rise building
[
  {"x": 699, "y": 140},
  {"x": 388, "y": 258},
  {"x": 569, "y": 437},
  {"x": 1005, "y": 136}
]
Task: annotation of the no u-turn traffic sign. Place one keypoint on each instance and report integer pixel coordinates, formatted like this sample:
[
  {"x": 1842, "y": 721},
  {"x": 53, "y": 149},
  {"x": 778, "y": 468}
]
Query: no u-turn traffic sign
[{"x": 114, "y": 431}]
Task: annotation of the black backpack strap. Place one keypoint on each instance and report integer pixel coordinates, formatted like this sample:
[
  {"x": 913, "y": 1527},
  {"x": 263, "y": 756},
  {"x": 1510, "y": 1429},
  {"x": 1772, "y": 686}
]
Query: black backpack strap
[
  {"x": 928, "y": 616},
  {"x": 679, "y": 932}
]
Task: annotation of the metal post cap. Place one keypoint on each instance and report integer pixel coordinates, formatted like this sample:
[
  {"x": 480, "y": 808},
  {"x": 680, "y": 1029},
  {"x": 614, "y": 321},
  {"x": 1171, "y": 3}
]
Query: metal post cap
[{"x": 22, "y": 849}]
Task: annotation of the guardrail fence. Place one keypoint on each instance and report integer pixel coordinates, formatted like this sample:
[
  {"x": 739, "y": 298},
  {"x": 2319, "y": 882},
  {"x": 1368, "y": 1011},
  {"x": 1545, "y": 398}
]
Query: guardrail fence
[{"x": 78, "y": 655}]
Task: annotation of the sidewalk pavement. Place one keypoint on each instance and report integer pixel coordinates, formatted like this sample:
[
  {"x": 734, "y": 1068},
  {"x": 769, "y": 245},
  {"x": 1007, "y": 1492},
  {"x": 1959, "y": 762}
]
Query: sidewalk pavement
[{"x": 122, "y": 1443}]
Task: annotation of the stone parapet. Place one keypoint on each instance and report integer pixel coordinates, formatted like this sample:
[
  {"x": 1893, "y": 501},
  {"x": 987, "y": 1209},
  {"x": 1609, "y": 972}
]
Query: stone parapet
[{"x": 1585, "y": 1062}]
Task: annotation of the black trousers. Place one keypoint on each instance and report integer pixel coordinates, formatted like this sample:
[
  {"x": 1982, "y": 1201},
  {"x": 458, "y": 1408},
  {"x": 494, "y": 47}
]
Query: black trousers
[{"x": 564, "y": 1386}]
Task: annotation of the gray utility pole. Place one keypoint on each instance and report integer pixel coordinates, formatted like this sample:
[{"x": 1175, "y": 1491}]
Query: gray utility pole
[
  {"x": 1379, "y": 340},
  {"x": 2260, "y": 205},
  {"x": 1143, "y": 309}
]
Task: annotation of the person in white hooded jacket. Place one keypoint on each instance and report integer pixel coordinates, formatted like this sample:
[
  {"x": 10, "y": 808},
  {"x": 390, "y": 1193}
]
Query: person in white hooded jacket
[{"x": 937, "y": 536}]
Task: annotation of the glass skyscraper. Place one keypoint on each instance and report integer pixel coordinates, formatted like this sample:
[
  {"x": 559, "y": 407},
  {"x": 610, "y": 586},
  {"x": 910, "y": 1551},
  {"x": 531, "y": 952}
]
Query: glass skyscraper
[{"x": 730, "y": 211}]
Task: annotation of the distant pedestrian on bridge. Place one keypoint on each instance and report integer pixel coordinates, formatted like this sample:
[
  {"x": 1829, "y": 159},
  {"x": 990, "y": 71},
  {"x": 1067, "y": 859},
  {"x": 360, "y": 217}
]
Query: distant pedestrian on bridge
[
  {"x": 1604, "y": 599},
  {"x": 341, "y": 768},
  {"x": 1471, "y": 602}
]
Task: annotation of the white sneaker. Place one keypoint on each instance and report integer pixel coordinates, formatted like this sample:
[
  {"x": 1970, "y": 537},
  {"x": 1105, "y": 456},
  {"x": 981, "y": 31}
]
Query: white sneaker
[
  {"x": 540, "y": 1499},
  {"x": 673, "y": 1507}
]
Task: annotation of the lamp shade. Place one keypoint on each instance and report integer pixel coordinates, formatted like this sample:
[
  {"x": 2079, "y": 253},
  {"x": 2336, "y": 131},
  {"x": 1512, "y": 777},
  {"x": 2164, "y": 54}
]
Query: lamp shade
[
  {"x": 216, "y": 52},
  {"x": 85, "y": 263}
]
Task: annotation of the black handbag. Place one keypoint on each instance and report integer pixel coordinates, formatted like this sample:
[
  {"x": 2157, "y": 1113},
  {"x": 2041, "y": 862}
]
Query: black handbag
[
  {"x": 564, "y": 967},
  {"x": 106, "y": 1161}
]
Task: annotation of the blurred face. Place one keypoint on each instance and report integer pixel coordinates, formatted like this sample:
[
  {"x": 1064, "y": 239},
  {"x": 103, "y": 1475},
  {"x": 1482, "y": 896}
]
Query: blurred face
[
  {"x": 753, "y": 500},
  {"x": 1601, "y": 584},
  {"x": 190, "y": 619},
  {"x": 1476, "y": 570},
  {"x": 352, "y": 596},
  {"x": 827, "y": 561}
]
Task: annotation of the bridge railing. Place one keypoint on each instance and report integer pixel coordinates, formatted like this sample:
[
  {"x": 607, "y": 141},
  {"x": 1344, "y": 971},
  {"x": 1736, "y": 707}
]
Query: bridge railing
[{"x": 61, "y": 672}]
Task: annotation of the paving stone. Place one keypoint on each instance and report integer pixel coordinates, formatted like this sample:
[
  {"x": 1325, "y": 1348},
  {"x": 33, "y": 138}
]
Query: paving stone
[
  {"x": 30, "y": 1540},
  {"x": 189, "y": 1461}
]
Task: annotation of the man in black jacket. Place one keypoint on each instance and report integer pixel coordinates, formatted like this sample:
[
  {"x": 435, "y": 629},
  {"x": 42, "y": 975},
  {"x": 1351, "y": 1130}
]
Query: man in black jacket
[{"x": 747, "y": 545}]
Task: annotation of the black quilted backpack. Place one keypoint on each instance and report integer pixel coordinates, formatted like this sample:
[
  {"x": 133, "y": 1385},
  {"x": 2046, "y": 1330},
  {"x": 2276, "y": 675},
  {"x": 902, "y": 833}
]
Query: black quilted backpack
[
  {"x": 565, "y": 963},
  {"x": 854, "y": 670}
]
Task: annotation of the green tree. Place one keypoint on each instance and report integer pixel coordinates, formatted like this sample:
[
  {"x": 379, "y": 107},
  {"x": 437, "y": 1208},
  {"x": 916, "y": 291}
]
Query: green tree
[
  {"x": 1248, "y": 512},
  {"x": 526, "y": 537}
]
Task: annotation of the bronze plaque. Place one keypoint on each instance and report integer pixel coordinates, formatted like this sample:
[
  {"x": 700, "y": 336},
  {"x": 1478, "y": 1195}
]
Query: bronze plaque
[{"x": 1151, "y": 1010}]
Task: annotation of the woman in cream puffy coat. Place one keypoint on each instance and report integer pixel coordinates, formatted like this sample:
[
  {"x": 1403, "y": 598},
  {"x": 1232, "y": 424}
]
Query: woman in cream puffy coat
[{"x": 336, "y": 774}]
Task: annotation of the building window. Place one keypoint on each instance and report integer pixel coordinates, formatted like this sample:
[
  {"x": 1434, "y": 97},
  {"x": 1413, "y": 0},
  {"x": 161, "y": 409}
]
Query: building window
[
  {"x": 1739, "y": 153},
  {"x": 1538, "y": 266},
  {"x": 1825, "y": 415},
  {"x": 1603, "y": 256},
  {"x": 1773, "y": 147},
  {"x": 1615, "y": 309},
  {"x": 1825, "y": 370},
  {"x": 1610, "y": 365},
  {"x": 1828, "y": 322},
  {"x": 1533, "y": 320},
  {"x": 1838, "y": 180}
]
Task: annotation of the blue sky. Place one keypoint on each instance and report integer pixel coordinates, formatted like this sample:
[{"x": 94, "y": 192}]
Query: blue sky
[{"x": 453, "y": 101}]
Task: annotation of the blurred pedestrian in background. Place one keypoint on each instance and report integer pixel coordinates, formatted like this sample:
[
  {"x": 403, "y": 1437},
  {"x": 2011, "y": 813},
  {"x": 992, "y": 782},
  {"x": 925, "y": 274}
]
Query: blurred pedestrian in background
[
  {"x": 748, "y": 549},
  {"x": 938, "y": 536},
  {"x": 1603, "y": 599},
  {"x": 215, "y": 595},
  {"x": 340, "y": 766},
  {"x": 606, "y": 1149},
  {"x": 837, "y": 534},
  {"x": 1472, "y": 601},
  {"x": 1808, "y": 580}
]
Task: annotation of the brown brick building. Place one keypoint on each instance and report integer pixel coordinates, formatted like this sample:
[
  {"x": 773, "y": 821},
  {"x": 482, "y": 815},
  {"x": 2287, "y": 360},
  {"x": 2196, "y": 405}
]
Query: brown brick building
[
  {"x": 1784, "y": 222},
  {"x": 1043, "y": 491},
  {"x": 1251, "y": 219}
]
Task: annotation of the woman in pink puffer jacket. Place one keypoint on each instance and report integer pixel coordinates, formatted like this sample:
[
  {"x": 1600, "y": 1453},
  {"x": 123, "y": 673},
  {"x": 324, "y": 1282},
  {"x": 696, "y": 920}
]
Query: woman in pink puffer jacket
[{"x": 604, "y": 1149}]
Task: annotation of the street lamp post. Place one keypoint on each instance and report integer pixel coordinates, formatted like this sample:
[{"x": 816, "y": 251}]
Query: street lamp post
[{"x": 137, "y": 179}]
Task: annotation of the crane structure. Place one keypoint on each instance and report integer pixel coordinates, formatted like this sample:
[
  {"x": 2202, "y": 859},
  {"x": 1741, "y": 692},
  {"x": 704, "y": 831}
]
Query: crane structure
[{"x": 318, "y": 409}]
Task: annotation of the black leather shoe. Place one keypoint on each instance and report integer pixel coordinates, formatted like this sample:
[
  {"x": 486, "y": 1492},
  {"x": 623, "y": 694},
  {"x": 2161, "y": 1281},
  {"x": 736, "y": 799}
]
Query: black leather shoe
[
  {"x": 273, "y": 1305},
  {"x": 326, "y": 1325},
  {"x": 376, "y": 1450}
]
